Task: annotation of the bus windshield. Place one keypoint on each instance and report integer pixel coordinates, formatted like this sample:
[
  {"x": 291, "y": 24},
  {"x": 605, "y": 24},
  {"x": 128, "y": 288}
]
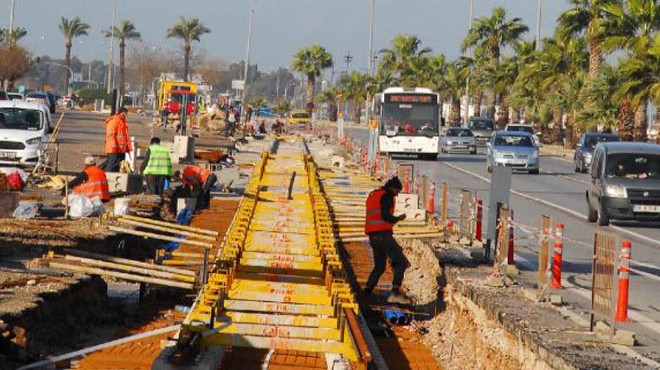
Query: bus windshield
[{"x": 410, "y": 119}]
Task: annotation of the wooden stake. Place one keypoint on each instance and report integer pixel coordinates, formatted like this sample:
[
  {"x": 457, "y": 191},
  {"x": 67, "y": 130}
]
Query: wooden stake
[{"x": 160, "y": 237}]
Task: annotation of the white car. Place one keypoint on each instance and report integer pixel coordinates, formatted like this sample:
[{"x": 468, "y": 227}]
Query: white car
[
  {"x": 512, "y": 127},
  {"x": 15, "y": 96},
  {"x": 24, "y": 129}
]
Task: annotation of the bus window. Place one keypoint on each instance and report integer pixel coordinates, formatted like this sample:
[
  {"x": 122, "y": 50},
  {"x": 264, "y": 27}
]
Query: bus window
[{"x": 409, "y": 119}]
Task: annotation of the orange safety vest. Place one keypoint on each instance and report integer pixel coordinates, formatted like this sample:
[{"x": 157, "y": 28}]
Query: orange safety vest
[
  {"x": 195, "y": 175},
  {"x": 374, "y": 220},
  {"x": 123, "y": 140},
  {"x": 116, "y": 135},
  {"x": 96, "y": 184}
]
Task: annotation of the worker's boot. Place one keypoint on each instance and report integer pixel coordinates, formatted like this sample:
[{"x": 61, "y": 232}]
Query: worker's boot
[{"x": 398, "y": 298}]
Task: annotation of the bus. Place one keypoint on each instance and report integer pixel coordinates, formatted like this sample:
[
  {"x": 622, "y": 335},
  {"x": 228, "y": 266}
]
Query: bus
[{"x": 408, "y": 121}]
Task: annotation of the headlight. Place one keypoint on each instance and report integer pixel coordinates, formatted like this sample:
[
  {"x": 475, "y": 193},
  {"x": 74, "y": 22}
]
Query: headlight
[
  {"x": 34, "y": 141},
  {"x": 616, "y": 191},
  {"x": 587, "y": 155},
  {"x": 535, "y": 153}
]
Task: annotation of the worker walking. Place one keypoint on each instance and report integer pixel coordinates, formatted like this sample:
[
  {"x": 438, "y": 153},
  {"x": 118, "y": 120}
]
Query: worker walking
[
  {"x": 91, "y": 182},
  {"x": 157, "y": 167},
  {"x": 117, "y": 142},
  {"x": 199, "y": 180},
  {"x": 379, "y": 225}
]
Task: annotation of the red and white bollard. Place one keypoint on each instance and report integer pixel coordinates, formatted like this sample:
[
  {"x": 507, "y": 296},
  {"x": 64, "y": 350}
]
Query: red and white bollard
[
  {"x": 510, "y": 257},
  {"x": 431, "y": 205},
  {"x": 406, "y": 181},
  {"x": 377, "y": 164},
  {"x": 416, "y": 185},
  {"x": 556, "y": 260},
  {"x": 624, "y": 283},
  {"x": 480, "y": 215}
]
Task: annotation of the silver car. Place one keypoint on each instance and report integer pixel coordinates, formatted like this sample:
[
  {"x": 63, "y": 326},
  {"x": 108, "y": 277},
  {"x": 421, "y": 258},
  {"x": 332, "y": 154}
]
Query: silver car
[
  {"x": 458, "y": 139},
  {"x": 514, "y": 149}
]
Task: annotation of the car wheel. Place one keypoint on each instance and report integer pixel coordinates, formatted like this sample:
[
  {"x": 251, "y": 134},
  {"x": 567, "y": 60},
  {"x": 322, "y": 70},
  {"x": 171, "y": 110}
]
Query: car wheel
[
  {"x": 603, "y": 217},
  {"x": 592, "y": 214}
]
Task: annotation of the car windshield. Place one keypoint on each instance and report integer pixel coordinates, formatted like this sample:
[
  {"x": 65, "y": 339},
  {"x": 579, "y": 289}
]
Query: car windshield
[
  {"x": 482, "y": 125},
  {"x": 513, "y": 140},
  {"x": 459, "y": 132},
  {"x": 20, "y": 119},
  {"x": 520, "y": 128},
  {"x": 593, "y": 140},
  {"x": 179, "y": 97},
  {"x": 410, "y": 119},
  {"x": 633, "y": 166}
]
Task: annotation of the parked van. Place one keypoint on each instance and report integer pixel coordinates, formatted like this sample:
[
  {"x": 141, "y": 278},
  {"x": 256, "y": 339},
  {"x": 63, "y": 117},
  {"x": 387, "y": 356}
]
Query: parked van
[
  {"x": 24, "y": 129},
  {"x": 625, "y": 182}
]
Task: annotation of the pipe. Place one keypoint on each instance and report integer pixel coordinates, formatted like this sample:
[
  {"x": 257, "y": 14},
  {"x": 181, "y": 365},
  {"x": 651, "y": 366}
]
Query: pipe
[
  {"x": 391, "y": 316},
  {"x": 402, "y": 318}
]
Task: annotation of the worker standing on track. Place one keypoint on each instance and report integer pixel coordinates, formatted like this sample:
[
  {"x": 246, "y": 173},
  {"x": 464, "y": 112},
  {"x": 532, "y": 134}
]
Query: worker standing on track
[
  {"x": 157, "y": 166},
  {"x": 91, "y": 182},
  {"x": 117, "y": 142},
  {"x": 379, "y": 224},
  {"x": 199, "y": 180}
]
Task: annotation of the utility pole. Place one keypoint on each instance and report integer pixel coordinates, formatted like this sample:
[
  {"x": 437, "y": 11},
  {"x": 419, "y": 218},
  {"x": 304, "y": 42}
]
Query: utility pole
[
  {"x": 247, "y": 61},
  {"x": 466, "y": 119},
  {"x": 373, "y": 131},
  {"x": 112, "y": 49},
  {"x": 11, "y": 16},
  {"x": 347, "y": 59},
  {"x": 538, "y": 24}
]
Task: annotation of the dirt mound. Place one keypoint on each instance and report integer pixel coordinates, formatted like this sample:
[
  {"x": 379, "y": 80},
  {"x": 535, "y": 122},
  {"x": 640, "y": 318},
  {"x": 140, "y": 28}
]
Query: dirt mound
[{"x": 421, "y": 279}]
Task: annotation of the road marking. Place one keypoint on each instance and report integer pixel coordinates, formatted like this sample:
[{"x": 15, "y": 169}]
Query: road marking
[
  {"x": 569, "y": 178},
  {"x": 555, "y": 206}
]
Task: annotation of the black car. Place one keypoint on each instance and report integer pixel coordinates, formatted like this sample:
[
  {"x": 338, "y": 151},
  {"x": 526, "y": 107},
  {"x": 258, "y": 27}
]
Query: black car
[
  {"x": 585, "y": 148},
  {"x": 625, "y": 183}
]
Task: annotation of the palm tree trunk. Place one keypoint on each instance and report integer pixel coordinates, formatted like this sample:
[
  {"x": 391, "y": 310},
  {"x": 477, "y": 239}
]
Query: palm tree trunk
[
  {"x": 356, "y": 110},
  {"x": 570, "y": 127},
  {"x": 186, "y": 62},
  {"x": 476, "y": 102},
  {"x": 309, "y": 92},
  {"x": 595, "y": 58},
  {"x": 503, "y": 116},
  {"x": 556, "y": 127},
  {"x": 641, "y": 121},
  {"x": 122, "y": 50},
  {"x": 626, "y": 121},
  {"x": 490, "y": 98},
  {"x": 67, "y": 60},
  {"x": 455, "y": 112},
  {"x": 515, "y": 115}
]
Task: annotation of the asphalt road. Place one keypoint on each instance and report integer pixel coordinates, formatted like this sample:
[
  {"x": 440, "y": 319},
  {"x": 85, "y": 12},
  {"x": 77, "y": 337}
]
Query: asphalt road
[{"x": 559, "y": 192}]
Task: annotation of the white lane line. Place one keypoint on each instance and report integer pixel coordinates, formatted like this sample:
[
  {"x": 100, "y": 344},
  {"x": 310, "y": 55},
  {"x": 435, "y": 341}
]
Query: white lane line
[
  {"x": 643, "y": 320},
  {"x": 555, "y": 206}
]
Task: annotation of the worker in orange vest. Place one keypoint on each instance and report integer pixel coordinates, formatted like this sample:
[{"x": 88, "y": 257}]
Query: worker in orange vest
[
  {"x": 379, "y": 224},
  {"x": 117, "y": 141},
  {"x": 199, "y": 181},
  {"x": 91, "y": 182}
]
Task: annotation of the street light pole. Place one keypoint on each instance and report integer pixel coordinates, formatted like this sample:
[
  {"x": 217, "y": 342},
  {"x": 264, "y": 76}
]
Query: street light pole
[
  {"x": 247, "y": 61},
  {"x": 539, "y": 10},
  {"x": 373, "y": 131},
  {"x": 112, "y": 49},
  {"x": 11, "y": 15},
  {"x": 467, "y": 80}
]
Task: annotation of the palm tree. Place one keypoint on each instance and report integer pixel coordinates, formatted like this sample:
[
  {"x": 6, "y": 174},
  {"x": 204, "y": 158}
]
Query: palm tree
[
  {"x": 12, "y": 36},
  {"x": 125, "y": 31},
  {"x": 588, "y": 18},
  {"x": 188, "y": 30},
  {"x": 329, "y": 96},
  {"x": 400, "y": 59},
  {"x": 311, "y": 61},
  {"x": 635, "y": 26},
  {"x": 71, "y": 29},
  {"x": 494, "y": 33},
  {"x": 453, "y": 89},
  {"x": 355, "y": 87}
]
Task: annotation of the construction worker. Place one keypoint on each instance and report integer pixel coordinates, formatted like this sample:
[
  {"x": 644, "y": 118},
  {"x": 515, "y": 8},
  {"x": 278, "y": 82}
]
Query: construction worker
[
  {"x": 199, "y": 181},
  {"x": 117, "y": 141},
  {"x": 379, "y": 224},
  {"x": 157, "y": 166},
  {"x": 91, "y": 182}
]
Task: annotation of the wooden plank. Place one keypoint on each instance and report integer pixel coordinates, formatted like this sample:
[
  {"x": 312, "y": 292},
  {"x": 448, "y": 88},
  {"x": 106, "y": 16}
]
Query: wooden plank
[
  {"x": 160, "y": 237},
  {"x": 172, "y": 225},
  {"x": 125, "y": 261}
]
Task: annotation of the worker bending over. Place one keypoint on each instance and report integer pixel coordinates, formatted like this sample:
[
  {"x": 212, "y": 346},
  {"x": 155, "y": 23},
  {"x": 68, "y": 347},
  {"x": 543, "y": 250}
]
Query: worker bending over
[
  {"x": 157, "y": 167},
  {"x": 91, "y": 182},
  {"x": 199, "y": 180},
  {"x": 379, "y": 225}
]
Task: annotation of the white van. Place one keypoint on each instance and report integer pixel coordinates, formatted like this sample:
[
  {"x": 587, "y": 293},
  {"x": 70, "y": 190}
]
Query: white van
[{"x": 24, "y": 129}]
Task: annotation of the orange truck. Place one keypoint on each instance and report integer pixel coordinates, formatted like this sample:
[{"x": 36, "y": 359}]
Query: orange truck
[{"x": 172, "y": 93}]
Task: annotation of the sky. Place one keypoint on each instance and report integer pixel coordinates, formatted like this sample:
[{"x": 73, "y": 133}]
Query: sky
[{"x": 281, "y": 27}]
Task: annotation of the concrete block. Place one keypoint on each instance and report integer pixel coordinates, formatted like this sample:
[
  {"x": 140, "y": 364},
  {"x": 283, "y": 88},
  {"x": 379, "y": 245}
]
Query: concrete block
[
  {"x": 556, "y": 299},
  {"x": 602, "y": 328},
  {"x": 124, "y": 182},
  {"x": 337, "y": 161},
  {"x": 414, "y": 214},
  {"x": 624, "y": 337},
  {"x": 184, "y": 148},
  {"x": 405, "y": 202}
]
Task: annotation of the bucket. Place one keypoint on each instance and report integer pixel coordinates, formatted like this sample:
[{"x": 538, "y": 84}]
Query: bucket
[{"x": 122, "y": 206}]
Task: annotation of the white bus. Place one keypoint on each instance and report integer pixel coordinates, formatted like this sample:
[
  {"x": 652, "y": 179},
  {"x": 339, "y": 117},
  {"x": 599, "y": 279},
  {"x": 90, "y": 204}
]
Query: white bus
[{"x": 408, "y": 121}]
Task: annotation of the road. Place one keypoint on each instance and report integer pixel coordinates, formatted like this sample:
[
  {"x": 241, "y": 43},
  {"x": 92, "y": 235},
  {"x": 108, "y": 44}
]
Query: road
[{"x": 559, "y": 192}]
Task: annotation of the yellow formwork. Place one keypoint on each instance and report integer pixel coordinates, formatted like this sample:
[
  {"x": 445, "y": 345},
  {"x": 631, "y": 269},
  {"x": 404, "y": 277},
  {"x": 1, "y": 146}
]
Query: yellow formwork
[{"x": 278, "y": 281}]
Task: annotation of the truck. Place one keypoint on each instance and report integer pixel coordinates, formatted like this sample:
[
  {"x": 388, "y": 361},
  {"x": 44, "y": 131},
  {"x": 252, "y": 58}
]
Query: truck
[{"x": 171, "y": 95}]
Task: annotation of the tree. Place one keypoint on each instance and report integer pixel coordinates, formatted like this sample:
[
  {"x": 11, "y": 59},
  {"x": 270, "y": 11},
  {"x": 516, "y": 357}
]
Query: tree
[
  {"x": 125, "y": 31},
  {"x": 329, "y": 96},
  {"x": 355, "y": 87},
  {"x": 15, "y": 61},
  {"x": 453, "y": 89},
  {"x": 400, "y": 59},
  {"x": 12, "y": 36},
  {"x": 71, "y": 29},
  {"x": 311, "y": 61},
  {"x": 587, "y": 18},
  {"x": 188, "y": 30}
]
